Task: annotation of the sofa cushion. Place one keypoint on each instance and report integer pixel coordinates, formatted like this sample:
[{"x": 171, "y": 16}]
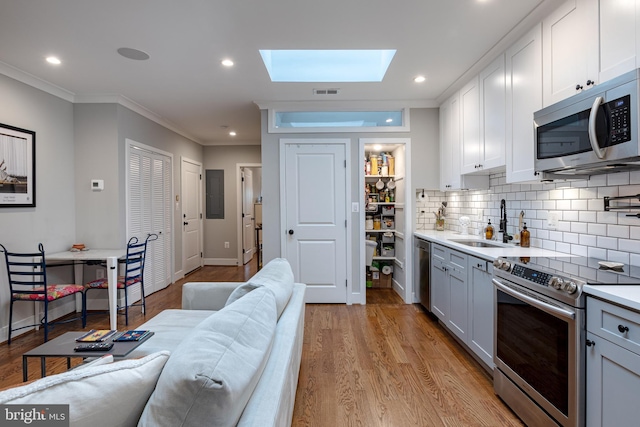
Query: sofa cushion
[
  {"x": 112, "y": 394},
  {"x": 211, "y": 375},
  {"x": 277, "y": 276}
]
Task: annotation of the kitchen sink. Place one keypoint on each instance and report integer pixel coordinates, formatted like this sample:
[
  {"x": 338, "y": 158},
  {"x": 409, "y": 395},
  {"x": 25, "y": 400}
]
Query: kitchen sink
[{"x": 478, "y": 243}]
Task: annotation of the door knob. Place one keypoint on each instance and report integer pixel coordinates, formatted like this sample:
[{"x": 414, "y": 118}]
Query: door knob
[
  {"x": 590, "y": 343},
  {"x": 291, "y": 232},
  {"x": 185, "y": 223}
]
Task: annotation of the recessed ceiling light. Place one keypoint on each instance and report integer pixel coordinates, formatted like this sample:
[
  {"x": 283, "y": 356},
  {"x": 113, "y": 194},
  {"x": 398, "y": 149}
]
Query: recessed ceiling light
[
  {"x": 232, "y": 133},
  {"x": 53, "y": 60},
  {"x": 135, "y": 54},
  {"x": 377, "y": 147},
  {"x": 419, "y": 79},
  {"x": 227, "y": 63}
]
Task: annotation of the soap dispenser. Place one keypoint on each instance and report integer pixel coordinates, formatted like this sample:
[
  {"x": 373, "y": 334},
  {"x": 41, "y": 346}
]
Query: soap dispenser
[
  {"x": 488, "y": 231},
  {"x": 524, "y": 237}
]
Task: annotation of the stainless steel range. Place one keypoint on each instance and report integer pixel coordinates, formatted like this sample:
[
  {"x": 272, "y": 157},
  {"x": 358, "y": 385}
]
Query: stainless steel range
[
  {"x": 539, "y": 357},
  {"x": 540, "y": 333}
]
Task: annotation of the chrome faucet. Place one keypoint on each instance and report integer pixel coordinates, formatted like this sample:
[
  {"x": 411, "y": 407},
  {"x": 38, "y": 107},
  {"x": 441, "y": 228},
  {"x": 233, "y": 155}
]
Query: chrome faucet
[{"x": 503, "y": 222}]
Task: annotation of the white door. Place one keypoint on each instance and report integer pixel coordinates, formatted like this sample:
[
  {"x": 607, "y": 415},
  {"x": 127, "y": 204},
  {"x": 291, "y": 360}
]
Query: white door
[
  {"x": 247, "y": 216},
  {"x": 149, "y": 212},
  {"x": 314, "y": 223},
  {"x": 191, "y": 215}
]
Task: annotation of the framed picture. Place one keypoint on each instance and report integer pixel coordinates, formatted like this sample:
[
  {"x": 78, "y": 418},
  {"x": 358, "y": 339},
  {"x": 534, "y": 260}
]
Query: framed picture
[{"x": 17, "y": 167}]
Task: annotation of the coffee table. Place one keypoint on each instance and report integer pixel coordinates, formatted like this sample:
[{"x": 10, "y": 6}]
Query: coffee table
[{"x": 63, "y": 346}]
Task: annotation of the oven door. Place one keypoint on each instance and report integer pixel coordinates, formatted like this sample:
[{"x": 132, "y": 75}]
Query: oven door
[{"x": 538, "y": 347}]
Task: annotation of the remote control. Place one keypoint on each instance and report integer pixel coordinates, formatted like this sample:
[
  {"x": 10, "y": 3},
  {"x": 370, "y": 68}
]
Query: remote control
[{"x": 97, "y": 346}]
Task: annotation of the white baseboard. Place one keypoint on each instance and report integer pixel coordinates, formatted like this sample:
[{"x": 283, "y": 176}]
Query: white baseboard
[
  {"x": 221, "y": 261},
  {"x": 178, "y": 275}
]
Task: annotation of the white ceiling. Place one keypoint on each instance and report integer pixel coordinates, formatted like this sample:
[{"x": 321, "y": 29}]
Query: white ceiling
[{"x": 183, "y": 82}]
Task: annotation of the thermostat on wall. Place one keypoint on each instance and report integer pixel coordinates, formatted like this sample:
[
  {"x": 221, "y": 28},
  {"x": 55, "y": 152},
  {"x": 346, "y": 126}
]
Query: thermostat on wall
[{"x": 97, "y": 184}]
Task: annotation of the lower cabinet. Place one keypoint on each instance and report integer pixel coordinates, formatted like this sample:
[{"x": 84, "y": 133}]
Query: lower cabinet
[
  {"x": 613, "y": 365},
  {"x": 462, "y": 298},
  {"x": 481, "y": 297}
]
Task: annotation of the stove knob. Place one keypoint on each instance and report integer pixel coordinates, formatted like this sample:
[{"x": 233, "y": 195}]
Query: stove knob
[
  {"x": 505, "y": 265},
  {"x": 556, "y": 283},
  {"x": 497, "y": 262},
  {"x": 570, "y": 287}
]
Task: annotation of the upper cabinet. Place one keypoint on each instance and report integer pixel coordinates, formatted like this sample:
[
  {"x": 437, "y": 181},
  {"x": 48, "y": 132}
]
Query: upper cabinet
[
  {"x": 482, "y": 116},
  {"x": 524, "y": 97},
  {"x": 619, "y": 37},
  {"x": 570, "y": 50},
  {"x": 450, "y": 144},
  {"x": 450, "y": 147}
]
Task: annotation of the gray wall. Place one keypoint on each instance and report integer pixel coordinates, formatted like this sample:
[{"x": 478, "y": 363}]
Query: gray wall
[
  {"x": 424, "y": 136},
  {"x": 101, "y": 134},
  {"x": 53, "y": 220},
  {"x": 218, "y": 231}
]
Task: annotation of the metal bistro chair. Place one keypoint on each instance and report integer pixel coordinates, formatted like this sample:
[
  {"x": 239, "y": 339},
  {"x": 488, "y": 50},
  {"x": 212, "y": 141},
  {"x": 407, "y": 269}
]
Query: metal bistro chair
[
  {"x": 27, "y": 276},
  {"x": 134, "y": 274}
]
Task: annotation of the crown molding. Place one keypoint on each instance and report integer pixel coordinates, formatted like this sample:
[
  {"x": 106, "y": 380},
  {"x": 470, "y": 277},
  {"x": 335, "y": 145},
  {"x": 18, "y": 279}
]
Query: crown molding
[
  {"x": 36, "y": 82},
  {"x": 45, "y": 86}
]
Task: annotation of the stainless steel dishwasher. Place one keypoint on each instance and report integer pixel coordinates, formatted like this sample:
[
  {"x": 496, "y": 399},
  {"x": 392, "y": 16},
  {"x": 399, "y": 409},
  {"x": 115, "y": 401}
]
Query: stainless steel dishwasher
[{"x": 422, "y": 272}]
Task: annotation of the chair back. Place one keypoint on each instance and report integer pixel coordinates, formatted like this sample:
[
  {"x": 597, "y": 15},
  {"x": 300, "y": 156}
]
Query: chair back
[
  {"x": 135, "y": 260},
  {"x": 26, "y": 272}
]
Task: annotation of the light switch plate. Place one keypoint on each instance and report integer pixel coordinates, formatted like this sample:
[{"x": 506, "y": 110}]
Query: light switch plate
[{"x": 355, "y": 207}]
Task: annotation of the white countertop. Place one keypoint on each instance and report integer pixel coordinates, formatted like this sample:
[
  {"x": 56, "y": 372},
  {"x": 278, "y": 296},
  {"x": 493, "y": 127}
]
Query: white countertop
[
  {"x": 624, "y": 295},
  {"x": 506, "y": 249}
]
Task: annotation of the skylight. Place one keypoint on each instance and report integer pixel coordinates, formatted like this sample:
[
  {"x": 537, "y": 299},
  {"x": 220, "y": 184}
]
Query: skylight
[{"x": 326, "y": 66}]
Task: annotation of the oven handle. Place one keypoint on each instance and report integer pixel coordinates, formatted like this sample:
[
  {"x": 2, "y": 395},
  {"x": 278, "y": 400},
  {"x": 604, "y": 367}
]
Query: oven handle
[
  {"x": 565, "y": 314},
  {"x": 593, "y": 136}
]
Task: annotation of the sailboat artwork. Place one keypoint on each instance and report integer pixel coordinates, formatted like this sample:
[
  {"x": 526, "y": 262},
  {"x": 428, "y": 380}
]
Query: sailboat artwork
[{"x": 17, "y": 167}]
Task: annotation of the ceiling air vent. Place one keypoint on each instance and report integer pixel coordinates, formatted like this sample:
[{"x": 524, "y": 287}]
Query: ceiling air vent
[{"x": 326, "y": 91}]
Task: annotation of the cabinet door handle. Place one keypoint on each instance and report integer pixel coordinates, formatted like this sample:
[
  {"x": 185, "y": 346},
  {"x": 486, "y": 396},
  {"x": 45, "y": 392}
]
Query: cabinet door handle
[
  {"x": 590, "y": 343},
  {"x": 578, "y": 87},
  {"x": 623, "y": 329},
  {"x": 590, "y": 82}
]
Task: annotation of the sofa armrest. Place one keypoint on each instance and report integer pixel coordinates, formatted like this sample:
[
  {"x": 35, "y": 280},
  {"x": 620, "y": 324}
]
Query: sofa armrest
[{"x": 207, "y": 295}]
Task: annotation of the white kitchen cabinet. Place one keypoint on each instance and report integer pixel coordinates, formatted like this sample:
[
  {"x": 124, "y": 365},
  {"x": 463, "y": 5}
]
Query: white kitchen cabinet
[
  {"x": 492, "y": 116},
  {"x": 481, "y": 298},
  {"x": 440, "y": 295},
  {"x": 449, "y": 289},
  {"x": 619, "y": 37},
  {"x": 613, "y": 364},
  {"x": 450, "y": 144},
  {"x": 470, "y": 126},
  {"x": 524, "y": 97},
  {"x": 450, "y": 177},
  {"x": 570, "y": 50}
]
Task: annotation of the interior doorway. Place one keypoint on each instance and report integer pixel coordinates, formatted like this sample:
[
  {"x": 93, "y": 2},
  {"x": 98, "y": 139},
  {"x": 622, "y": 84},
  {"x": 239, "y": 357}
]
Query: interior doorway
[
  {"x": 191, "y": 174},
  {"x": 249, "y": 195}
]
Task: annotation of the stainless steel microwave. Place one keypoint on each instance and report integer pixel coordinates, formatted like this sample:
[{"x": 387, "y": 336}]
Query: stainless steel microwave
[{"x": 590, "y": 133}]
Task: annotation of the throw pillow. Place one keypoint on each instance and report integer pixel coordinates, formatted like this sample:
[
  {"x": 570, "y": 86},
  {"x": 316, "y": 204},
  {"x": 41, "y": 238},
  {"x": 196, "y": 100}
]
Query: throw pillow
[
  {"x": 210, "y": 377},
  {"x": 277, "y": 276},
  {"x": 107, "y": 395}
]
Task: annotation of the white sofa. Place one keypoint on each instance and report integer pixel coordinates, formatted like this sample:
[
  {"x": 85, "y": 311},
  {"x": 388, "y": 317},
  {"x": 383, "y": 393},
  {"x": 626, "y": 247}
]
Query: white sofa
[{"x": 230, "y": 356}]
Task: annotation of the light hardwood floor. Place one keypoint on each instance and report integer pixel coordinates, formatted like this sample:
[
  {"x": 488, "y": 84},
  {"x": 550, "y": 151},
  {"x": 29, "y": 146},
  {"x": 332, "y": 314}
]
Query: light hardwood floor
[{"x": 382, "y": 364}]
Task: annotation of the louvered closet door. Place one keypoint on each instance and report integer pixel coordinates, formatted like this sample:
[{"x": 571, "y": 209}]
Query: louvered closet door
[{"x": 149, "y": 204}]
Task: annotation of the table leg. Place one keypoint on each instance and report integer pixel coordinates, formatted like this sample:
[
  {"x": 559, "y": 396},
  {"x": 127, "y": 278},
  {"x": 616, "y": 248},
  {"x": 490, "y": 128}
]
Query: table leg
[
  {"x": 112, "y": 276},
  {"x": 43, "y": 367},
  {"x": 78, "y": 278},
  {"x": 25, "y": 368}
]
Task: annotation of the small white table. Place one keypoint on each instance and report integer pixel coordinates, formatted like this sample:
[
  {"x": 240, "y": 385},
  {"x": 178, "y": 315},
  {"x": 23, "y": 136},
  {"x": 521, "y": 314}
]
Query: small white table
[{"x": 110, "y": 256}]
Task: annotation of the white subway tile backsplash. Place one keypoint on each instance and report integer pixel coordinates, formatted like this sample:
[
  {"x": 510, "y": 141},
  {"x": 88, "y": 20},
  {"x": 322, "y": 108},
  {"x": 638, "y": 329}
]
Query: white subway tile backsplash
[
  {"x": 618, "y": 231},
  {"x": 584, "y": 227},
  {"x": 607, "y": 242},
  {"x": 617, "y": 256}
]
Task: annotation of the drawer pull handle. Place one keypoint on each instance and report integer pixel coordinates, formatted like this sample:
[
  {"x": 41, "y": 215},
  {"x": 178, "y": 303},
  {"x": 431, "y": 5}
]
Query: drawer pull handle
[
  {"x": 623, "y": 329},
  {"x": 590, "y": 343}
]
